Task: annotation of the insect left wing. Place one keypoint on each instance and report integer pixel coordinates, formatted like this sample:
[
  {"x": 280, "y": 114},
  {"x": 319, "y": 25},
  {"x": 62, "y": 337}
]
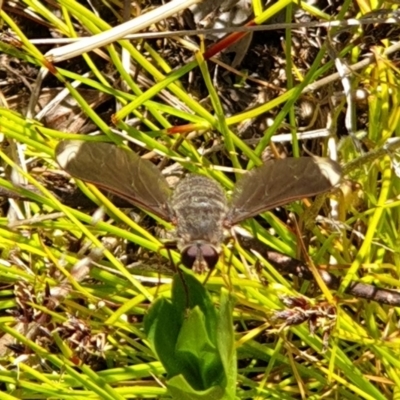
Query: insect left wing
[
  {"x": 279, "y": 182},
  {"x": 119, "y": 171}
]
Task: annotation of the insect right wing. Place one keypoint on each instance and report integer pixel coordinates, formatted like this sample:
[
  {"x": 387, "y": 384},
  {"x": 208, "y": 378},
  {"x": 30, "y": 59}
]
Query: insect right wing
[
  {"x": 280, "y": 182},
  {"x": 122, "y": 172}
]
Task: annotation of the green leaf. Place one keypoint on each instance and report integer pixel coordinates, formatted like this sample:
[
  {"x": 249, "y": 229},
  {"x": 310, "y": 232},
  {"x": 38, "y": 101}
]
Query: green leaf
[
  {"x": 187, "y": 293},
  {"x": 180, "y": 389},
  {"x": 226, "y": 341},
  {"x": 186, "y": 334},
  {"x": 203, "y": 358},
  {"x": 162, "y": 325}
]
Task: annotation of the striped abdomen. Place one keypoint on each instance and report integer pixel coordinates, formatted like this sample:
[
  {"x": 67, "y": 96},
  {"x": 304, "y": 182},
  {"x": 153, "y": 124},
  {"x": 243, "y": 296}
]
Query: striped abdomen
[{"x": 199, "y": 208}]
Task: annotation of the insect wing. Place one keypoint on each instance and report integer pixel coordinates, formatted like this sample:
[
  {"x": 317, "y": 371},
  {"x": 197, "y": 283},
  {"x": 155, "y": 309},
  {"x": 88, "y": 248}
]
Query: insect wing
[
  {"x": 279, "y": 182},
  {"x": 119, "y": 171}
]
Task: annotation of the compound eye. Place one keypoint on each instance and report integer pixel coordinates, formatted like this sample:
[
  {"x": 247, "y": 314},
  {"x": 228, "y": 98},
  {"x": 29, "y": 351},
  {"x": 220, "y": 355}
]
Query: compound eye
[
  {"x": 199, "y": 257},
  {"x": 189, "y": 256},
  {"x": 209, "y": 255}
]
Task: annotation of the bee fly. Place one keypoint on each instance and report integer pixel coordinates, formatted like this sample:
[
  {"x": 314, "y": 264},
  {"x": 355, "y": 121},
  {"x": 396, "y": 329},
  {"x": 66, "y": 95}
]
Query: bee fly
[{"x": 198, "y": 206}]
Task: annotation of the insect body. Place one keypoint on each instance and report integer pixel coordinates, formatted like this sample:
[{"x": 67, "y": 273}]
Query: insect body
[
  {"x": 198, "y": 205},
  {"x": 199, "y": 208}
]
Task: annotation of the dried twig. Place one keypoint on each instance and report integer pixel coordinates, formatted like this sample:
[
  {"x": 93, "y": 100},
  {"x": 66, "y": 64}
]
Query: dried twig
[{"x": 288, "y": 265}]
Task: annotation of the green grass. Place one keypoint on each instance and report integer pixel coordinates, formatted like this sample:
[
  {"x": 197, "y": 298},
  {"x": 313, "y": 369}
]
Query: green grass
[{"x": 106, "y": 303}]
